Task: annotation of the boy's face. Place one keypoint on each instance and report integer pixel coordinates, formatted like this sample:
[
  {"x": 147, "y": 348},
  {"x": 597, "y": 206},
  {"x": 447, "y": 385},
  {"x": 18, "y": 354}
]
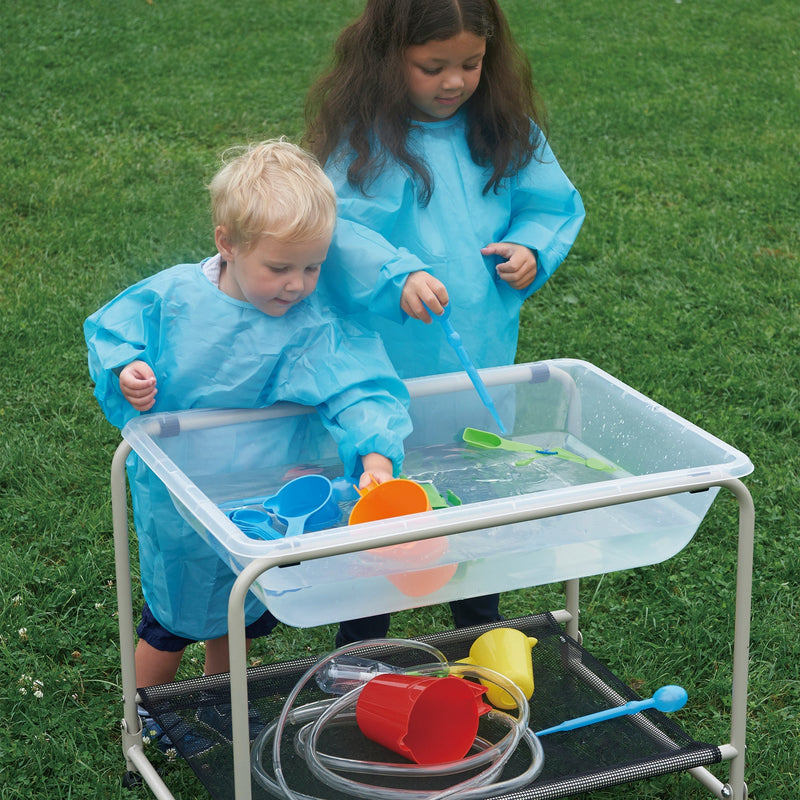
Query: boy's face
[
  {"x": 273, "y": 275},
  {"x": 443, "y": 74}
]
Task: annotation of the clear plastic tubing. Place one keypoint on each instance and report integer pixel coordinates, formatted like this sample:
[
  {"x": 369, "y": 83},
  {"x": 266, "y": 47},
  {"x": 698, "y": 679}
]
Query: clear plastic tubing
[{"x": 314, "y": 717}]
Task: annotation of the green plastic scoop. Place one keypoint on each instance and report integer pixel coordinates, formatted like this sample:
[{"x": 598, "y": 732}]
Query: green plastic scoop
[{"x": 491, "y": 441}]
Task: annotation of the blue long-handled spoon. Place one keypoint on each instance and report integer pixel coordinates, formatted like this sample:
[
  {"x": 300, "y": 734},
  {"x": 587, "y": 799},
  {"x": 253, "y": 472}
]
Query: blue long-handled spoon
[
  {"x": 454, "y": 340},
  {"x": 667, "y": 698}
]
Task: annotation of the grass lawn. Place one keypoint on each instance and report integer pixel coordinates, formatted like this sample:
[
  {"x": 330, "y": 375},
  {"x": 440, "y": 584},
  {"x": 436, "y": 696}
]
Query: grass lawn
[{"x": 678, "y": 122}]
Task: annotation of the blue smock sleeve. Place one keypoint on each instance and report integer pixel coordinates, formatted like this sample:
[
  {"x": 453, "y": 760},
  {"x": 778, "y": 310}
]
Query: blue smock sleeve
[
  {"x": 546, "y": 214},
  {"x": 343, "y": 370},
  {"x": 117, "y": 334},
  {"x": 370, "y": 269}
]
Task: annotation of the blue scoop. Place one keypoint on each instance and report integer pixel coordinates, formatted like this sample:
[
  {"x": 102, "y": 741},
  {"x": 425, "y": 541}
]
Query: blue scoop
[
  {"x": 454, "y": 340},
  {"x": 255, "y": 524},
  {"x": 667, "y": 698},
  {"x": 305, "y": 504}
]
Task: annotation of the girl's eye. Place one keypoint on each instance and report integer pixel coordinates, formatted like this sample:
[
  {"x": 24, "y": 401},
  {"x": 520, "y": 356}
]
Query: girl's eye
[{"x": 431, "y": 70}]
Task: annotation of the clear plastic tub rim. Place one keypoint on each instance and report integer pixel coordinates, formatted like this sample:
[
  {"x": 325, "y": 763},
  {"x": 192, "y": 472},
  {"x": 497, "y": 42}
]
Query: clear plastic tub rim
[{"x": 213, "y": 456}]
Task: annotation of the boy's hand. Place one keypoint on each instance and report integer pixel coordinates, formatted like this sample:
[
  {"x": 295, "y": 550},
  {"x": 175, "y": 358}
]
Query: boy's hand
[
  {"x": 422, "y": 289},
  {"x": 137, "y": 382},
  {"x": 377, "y": 468},
  {"x": 519, "y": 270}
]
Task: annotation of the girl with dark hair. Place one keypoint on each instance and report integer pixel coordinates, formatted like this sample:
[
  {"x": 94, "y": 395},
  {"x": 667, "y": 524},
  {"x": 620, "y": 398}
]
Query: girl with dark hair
[{"x": 432, "y": 132}]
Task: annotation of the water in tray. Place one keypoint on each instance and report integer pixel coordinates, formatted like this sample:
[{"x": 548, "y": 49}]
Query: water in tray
[{"x": 474, "y": 476}]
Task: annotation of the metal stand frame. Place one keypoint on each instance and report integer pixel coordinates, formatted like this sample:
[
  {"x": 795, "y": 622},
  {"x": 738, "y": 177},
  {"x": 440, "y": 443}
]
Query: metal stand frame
[{"x": 132, "y": 746}]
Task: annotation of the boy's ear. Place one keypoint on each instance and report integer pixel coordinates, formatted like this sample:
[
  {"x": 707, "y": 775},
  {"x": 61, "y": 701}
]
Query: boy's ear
[{"x": 223, "y": 242}]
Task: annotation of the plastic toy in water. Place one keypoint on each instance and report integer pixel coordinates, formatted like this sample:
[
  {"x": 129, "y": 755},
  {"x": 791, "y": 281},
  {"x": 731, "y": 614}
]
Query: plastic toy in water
[
  {"x": 666, "y": 699},
  {"x": 507, "y": 651},
  {"x": 254, "y": 524},
  {"x": 396, "y": 498},
  {"x": 427, "y": 720},
  {"x": 491, "y": 441},
  {"x": 305, "y": 504},
  {"x": 434, "y": 497},
  {"x": 454, "y": 340}
]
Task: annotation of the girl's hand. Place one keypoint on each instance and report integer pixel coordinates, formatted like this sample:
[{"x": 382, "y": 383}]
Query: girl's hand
[
  {"x": 422, "y": 289},
  {"x": 137, "y": 382},
  {"x": 519, "y": 270},
  {"x": 377, "y": 468}
]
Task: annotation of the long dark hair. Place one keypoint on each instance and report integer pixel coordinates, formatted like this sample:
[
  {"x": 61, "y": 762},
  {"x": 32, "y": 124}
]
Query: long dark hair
[{"x": 362, "y": 100}]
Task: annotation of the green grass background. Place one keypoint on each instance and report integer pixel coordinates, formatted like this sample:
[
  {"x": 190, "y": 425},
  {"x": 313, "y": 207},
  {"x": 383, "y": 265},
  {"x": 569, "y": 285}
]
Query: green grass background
[{"x": 678, "y": 121}]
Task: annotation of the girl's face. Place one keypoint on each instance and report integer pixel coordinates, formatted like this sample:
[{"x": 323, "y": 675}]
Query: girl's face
[
  {"x": 443, "y": 74},
  {"x": 273, "y": 275}
]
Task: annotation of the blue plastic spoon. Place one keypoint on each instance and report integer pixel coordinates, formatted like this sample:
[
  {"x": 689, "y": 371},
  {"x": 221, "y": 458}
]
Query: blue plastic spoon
[
  {"x": 454, "y": 340},
  {"x": 666, "y": 699},
  {"x": 255, "y": 524}
]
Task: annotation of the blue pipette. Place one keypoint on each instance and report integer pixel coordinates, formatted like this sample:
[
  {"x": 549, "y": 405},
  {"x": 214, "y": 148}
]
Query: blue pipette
[
  {"x": 454, "y": 340},
  {"x": 667, "y": 698}
]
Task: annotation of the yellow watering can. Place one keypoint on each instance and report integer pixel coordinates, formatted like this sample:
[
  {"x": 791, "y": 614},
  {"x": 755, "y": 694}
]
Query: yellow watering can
[{"x": 507, "y": 651}]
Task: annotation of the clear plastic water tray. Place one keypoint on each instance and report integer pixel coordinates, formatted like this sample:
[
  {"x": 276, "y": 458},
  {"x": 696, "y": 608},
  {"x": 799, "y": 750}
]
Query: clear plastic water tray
[{"x": 601, "y": 441}]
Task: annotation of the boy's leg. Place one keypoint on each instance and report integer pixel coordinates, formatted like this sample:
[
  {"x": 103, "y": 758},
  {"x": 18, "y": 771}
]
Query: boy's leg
[
  {"x": 217, "y": 656},
  {"x": 476, "y": 610},
  {"x": 158, "y": 651},
  {"x": 218, "y": 715},
  {"x": 217, "y": 653},
  {"x": 355, "y": 630},
  {"x": 154, "y": 666}
]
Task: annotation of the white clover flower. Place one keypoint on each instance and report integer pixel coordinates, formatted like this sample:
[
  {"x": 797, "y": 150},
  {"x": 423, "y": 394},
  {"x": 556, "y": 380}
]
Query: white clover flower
[
  {"x": 171, "y": 753},
  {"x": 16, "y": 599},
  {"x": 36, "y": 686},
  {"x": 98, "y": 606},
  {"x": 23, "y": 633}
]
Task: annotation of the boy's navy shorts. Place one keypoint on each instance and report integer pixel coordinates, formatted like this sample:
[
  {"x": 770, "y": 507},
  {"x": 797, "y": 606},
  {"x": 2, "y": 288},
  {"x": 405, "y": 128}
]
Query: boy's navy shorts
[{"x": 156, "y": 635}]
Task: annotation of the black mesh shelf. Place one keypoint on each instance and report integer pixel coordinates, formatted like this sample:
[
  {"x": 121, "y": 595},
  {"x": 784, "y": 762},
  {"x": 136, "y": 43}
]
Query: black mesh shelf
[{"x": 569, "y": 683}]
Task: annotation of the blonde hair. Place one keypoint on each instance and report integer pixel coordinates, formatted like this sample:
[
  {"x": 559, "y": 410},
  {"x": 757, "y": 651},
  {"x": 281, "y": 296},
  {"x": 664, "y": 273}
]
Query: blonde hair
[{"x": 272, "y": 189}]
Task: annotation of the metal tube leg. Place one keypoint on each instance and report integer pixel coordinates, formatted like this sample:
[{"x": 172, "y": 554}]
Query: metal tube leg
[
  {"x": 741, "y": 638},
  {"x": 237, "y": 644},
  {"x": 131, "y": 725},
  {"x": 572, "y": 593}
]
